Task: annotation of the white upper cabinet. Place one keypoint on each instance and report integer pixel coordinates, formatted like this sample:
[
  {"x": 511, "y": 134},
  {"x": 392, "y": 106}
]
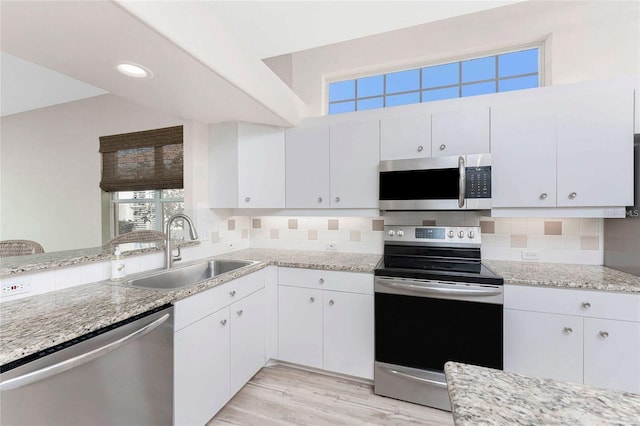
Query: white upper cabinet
[
  {"x": 595, "y": 147},
  {"x": 307, "y": 167},
  {"x": 464, "y": 131},
  {"x": 354, "y": 157},
  {"x": 405, "y": 137},
  {"x": 246, "y": 166},
  {"x": 523, "y": 143}
]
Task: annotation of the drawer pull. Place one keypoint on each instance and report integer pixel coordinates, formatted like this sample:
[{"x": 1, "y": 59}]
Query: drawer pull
[
  {"x": 568, "y": 330},
  {"x": 232, "y": 293},
  {"x": 321, "y": 280},
  {"x": 223, "y": 322},
  {"x": 604, "y": 334},
  {"x": 586, "y": 305},
  {"x": 331, "y": 302},
  {"x": 239, "y": 313},
  {"x": 312, "y": 299}
]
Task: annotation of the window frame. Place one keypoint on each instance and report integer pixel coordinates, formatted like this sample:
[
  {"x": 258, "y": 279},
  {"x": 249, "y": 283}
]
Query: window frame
[{"x": 459, "y": 60}]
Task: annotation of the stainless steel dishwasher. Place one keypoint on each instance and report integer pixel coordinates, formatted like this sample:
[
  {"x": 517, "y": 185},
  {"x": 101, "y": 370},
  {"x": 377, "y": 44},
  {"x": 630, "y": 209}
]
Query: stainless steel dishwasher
[{"x": 118, "y": 375}]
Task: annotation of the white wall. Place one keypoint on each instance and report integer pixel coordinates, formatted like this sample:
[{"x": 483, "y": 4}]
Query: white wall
[
  {"x": 50, "y": 168},
  {"x": 584, "y": 41}
]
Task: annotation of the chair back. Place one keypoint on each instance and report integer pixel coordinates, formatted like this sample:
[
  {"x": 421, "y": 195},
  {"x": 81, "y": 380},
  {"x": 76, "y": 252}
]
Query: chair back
[{"x": 10, "y": 248}]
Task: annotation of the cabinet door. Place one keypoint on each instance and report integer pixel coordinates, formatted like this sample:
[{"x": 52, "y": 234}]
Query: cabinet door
[
  {"x": 261, "y": 181},
  {"x": 247, "y": 338},
  {"x": 348, "y": 333},
  {"x": 201, "y": 369},
  {"x": 523, "y": 154},
  {"x": 405, "y": 137},
  {"x": 307, "y": 162},
  {"x": 300, "y": 326},
  {"x": 460, "y": 132},
  {"x": 543, "y": 345},
  {"x": 612, "y": 354},
  {"x": 354, "y": 154},
  {"x": 595, "y": 148}
]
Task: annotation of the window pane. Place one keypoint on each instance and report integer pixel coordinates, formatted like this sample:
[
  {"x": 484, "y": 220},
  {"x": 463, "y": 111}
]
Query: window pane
[
  {"x": 524, "y": 62},
  {"x": 403, "y": 81},
  {"x": 342, "y": 90},
  {"x": 133, "y": 195},
  {"x": 478, "y": 89},
  {"x": 518, "y": 83},
  {"x": 479, "y": 69},
  {"x": 168, "y": 210},
  {"x": 370, "y": 103},
  {"x": 135, "y": 216},
  {"x": 370, "y": 86},
  {"x": 340, "y": 107},
  {"x": 441, "y": 75},
  {"x": 437, "y": 94},
  {"x": 173, "y": 193},
  {"x": 407, "y": 98}
]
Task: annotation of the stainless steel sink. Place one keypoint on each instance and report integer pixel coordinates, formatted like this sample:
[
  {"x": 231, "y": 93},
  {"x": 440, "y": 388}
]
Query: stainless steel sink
[{"x": 171, "y": 279}]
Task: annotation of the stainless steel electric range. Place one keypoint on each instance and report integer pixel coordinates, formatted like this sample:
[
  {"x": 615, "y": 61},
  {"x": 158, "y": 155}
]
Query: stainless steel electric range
[{"x": 434, "y": 302}]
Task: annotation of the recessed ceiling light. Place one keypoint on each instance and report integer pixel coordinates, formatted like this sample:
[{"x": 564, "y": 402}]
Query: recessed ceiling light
[{"x": 133, "y": 70}]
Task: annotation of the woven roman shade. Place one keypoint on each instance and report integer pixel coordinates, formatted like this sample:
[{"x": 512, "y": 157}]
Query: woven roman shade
[{"x": 152, "y": 159}]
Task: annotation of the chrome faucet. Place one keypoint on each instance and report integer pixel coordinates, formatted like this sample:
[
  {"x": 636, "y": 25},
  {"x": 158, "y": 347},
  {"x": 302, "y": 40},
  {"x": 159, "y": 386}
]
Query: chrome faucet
[{"x": 169, "y": 258}]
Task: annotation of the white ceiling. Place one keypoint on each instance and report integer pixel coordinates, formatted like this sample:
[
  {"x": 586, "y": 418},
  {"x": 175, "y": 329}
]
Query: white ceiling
[
  {"x": 274, "y": 28},
  {"x": 83, "y": 40}
]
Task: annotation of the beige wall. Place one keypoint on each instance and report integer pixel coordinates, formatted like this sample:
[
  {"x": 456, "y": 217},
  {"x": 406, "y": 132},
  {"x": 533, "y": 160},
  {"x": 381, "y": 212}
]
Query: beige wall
[
  {"x": 583, "y": 41},
  {"x": 50, "y": 168}
]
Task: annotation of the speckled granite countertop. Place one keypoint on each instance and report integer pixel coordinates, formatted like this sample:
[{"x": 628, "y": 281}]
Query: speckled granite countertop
[
  {"x": 35, "y": 323},
  {"x": 484, "y": 396},
  {"x": 561, "y": 275}
]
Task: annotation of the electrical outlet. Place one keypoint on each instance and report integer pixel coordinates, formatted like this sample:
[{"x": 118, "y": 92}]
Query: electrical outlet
[
  {"x": 530, "y": 254},
  {"x": 332, "y": 246},
  {"x": 16, "y": 288}
]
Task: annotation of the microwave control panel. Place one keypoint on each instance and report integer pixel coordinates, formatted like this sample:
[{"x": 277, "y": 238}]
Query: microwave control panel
[{"x": 478, "y": 182}]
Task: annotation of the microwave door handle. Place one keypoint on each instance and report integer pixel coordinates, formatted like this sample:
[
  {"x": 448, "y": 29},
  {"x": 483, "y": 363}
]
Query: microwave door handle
[{"x": 462, "y": 183}]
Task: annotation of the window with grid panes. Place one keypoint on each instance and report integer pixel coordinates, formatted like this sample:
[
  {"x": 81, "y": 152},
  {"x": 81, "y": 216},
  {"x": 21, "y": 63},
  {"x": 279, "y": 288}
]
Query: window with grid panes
[{"x": 513, "y": 70}]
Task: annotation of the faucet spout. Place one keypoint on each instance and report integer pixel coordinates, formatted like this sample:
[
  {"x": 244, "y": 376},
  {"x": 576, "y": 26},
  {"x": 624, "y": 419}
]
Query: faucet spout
[{"x": 169, "y": 257}]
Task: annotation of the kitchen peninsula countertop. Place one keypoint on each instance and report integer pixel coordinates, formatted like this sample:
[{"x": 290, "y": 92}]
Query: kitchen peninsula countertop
[
  {"x": 33, "y": 324},
  {"x": 493, "y": 397},
  {"x": 562, "y": 275}
]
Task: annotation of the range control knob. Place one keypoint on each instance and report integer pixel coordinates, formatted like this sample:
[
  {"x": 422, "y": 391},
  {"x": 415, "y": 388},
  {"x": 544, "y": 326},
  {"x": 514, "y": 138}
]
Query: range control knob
[
  {"x": 392, "y": 232},
  {"x": 450, "y": 234},
  {"x": 461, "y": 234},
  {"x": 400, "y": 232},
  {"x": 471, "y": 234}
]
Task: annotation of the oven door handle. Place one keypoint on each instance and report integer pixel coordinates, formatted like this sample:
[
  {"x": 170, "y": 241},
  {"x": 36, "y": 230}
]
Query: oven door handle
[
  {"x": 462, "y": 183},
  {"x": 415, "y": 378},
  {"x": 449, "y": 291}
]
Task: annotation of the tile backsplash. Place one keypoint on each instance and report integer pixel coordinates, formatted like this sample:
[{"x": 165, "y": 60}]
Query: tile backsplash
[{"x": 551, "y": 240}]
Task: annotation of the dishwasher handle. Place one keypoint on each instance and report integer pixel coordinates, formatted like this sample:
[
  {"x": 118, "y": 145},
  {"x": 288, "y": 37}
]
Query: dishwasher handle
[{"x": 43, "y": 373}]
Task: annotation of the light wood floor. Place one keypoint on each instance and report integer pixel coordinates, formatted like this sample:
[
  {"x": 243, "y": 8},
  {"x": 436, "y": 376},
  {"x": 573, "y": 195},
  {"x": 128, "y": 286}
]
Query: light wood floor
[{"x": 281, "y": 395}]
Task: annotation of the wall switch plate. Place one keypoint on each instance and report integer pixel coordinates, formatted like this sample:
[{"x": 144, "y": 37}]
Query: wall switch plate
[
  {"x": 15, "y": 288},
  {"x": 530, "y": 254},
  {"x": 332, "y": 246}
]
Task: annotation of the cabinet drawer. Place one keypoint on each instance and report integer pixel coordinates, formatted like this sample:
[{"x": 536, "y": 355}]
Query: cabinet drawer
[
  {"x": 584, "y": 303},
  {"x": 352, "y": 282},
  {"x": 193, "y": 308}
]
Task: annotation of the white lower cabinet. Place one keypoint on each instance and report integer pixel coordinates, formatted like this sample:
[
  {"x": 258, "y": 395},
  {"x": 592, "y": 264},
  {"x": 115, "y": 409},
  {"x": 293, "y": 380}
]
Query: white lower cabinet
[
  {"x": 327, "y": 329},
  {"x": 573, "y": 335},
  {"x": 219, "y": 344}
]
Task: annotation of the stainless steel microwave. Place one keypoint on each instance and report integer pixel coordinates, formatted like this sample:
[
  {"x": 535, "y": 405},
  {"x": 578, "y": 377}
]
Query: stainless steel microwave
[{"x": 461, "y": 182}]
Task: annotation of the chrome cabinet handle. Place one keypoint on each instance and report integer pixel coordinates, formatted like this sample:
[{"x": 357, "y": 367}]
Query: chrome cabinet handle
[
  {"x": 36, "y": 376},
  {"x": 246, "y": 200},
  {"x": 442, "y": 147},
  {"x": 319, "y": 199},
  {"x": 321, "y": 280},
  {"x": 331, "y": 302},
  {"x": 573, "y": 195},
  {"x": 462, "y": 188},
  {"x": 232, "y": 293},
  {"x": 543, "y": 196},
  {"x": 223, "y": 322},
  {"x": 567, "y": 330},
  {"x": 240, "y": 312},
  {"x": 604, "y": 334},
  {"x": 312, "y": 299},
  {"x": 420, "y": 148},
  {"x": 337, "y": 199},
  {"x": 586, "y": 305}
]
